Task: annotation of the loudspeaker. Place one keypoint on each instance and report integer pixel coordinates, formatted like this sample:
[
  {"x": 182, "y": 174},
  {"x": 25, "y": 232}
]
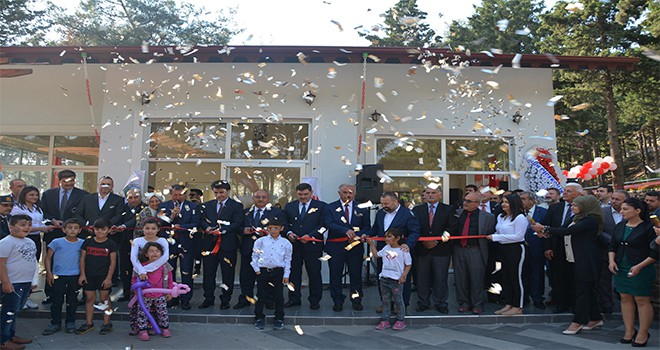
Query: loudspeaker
[{"x": 368, "y": 185}]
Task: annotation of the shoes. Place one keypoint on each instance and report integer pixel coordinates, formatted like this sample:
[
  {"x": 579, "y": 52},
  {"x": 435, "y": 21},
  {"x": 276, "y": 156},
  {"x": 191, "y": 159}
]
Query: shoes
[
  {"x": 635, "y": 344},
  {"x": 47, "y": 300},
  {"x": 560, "y": 310},
  {"x": 357, "y": 306},
  {"x": 443, "y": 309},
  {"x": 421, "y": 308},
  {"x": 206, "y": 303},
  {"x": 628, "y": 341},
  {"x": 314, "y": 306},
  {"x": 278, "y": 324},
  {"x": 260, "y": 323},
  {"x": 463, "y": 309},
  {"x": 539, "y": 305},
  {"x": 31, "y": 304},
  {"x": 133, "y": 332},
  {"x": 477, "y": 311},
  {"x": 595, "y": 326},
  {"x": 185, "y": 305},
  {"x": 166, "y": 333},
  {"x": 143, "y": 335},
  {"x": 382, "y": 325},
  {"x": 572, "y": 332},
  {"x": 85, "y": 328},
  {"x": 20, "y": 341},
  {"x": 291, "y": 303},
  {"x": 9, "y": 345},
  {"x": 513, "y": 311},
  {"x": 241, "y": 304},
  {"x": 338, "y": 307},
  {"x": 269, "y": 305},
  {"x": 106, "y": 328},
  {"x": 70, "y": 327},
  {"x": 224, "y": 305},
  {"x": 379, "y": 309},
  {"x": 172, "y": 303},
  {"x": 399, "y": 325},
  {"x": 52, "y": 329}
]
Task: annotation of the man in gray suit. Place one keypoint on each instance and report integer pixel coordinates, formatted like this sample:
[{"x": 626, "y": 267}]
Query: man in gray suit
[
  {"x": 611, "y": 217},
  {"x": 470, "y": 255}
]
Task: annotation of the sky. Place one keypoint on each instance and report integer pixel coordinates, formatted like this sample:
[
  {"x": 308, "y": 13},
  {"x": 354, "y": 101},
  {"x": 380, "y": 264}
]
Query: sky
[{"x": 310, "y": 22}]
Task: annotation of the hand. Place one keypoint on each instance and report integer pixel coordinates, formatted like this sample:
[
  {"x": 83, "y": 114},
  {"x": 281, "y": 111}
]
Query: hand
[
  {"x": 305, "y": 239},
  {"x": 208, "y": 229},
  {"x": 248, "y": 230},
  {"x": 120, "y": 228},
  {"x": 402, "y": 279},
  {"x": 657, "y": 230},
  {"x": 285, "y": 280},
  {"x": 143, "y": 277},
  {"x": 292, "y": 237},
  {"x": 57, "y": 223},
  {"x": 634, "y": 271},
  {"x": 540, "y": 234},
  {"x": 405, "y": 248},
  {"x": 549, "y": 254},
  {"x": 48, "y": 228},
  {"x": 430, "y": 244},
  {"x": 489, "y": 237},
  {"x": 82, "y": 280},
  {"x": 7, "y": 288},
  {"x": 168, "y": 297},
  {"x": 50, "y": 279},
  {"x": 350, "y": 234},
  {"x": 257, "y": 273},
  {"x": 537, "y": 227},
  {"x": 613, "y": 267},
  {"x": 176, "y": 227},
  {"x": 107, "y": 283}
]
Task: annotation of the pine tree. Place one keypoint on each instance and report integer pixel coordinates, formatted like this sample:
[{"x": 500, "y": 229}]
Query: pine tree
[{"x": 404, "y": 26}]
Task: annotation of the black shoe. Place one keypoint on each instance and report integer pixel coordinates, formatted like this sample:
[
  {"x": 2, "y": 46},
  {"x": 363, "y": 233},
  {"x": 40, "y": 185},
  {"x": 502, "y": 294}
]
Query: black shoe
[
  {"x": 443, "y": 309},
  {"x": 640, "y": 345},
  {"x": 206, "y": 303},
  {"x": 278, "y": 324},
  {"x": 337, "y": 307},
  {"x": 172, "y": 303},
  {"x": 224, "y": 305},
  {"x": 539, "y": 305},
  {"x": 560, "y": 310},
  {"x": 260, "y": 323},
  {"x": 106, "y": 328},
  {"x": 52, "y": 329},
  {"x": 628, "y": 341},
  {"x": 270, "y": 305},
  {"x": 48, "y": 300},
  {"x": 357, "y": 306},
  {"x": 241, "y": 304},
  {"x": 421, "y": 308},
  {"x": 185, "y": 305},
  {"x": 291, "y": 303},
  {"x": 314, "y": 306}
]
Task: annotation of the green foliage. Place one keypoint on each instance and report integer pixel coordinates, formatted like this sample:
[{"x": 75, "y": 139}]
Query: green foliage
[
  {"x": 131, "y": 22},
  {"x": 21, "y": 23},
  {"x": 404, "y": 26}
]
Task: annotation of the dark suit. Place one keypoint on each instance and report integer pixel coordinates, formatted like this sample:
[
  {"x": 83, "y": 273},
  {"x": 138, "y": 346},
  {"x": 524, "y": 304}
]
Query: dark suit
[
  {"x": 360, "y": 222},
  {"x": 408, "y": 224},
  {"x": 50, "y": 204},
  {"x": 88, "y": 210},
  {"x": 534, "y": 270},
  {"x": 4, "y": 226},
  {"x": 586, "y": 268},
  {"x": 470, "y": 260},
  {"x": 605, "y": 299},
  {"x": 433, "y": 264},
  {"x": 183, "y": 251},
  {"x": 247, "y": 276},
  {"x": 130, "y": 215},
  {"x": 310, "y": 223},
  {"x": 560, "y": 272},
  {"x": 229, "y": 221}
]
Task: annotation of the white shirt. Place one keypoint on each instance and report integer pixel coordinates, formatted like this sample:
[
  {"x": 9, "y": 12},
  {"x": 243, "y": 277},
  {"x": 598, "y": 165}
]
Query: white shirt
[
  {"x": 568, "y": 248},
  {"x": 507, "y": 231},
  {"x": 394, "y": 262},
  {"x": 616, "y": 216},
  {"x": 137, "y": 246},
  {"x": 272, "y": 252},
  {"x": 486, "y": 207},
  {"x": 102, "y": 200},
  {"x": 389, "y": 217}
]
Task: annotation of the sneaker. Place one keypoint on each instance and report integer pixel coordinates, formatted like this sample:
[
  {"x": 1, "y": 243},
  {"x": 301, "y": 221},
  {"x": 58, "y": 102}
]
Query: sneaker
[
  {"x": 399, "y": 325},
  {"x": 85, "y": 328},
  {"x": 106, "y": 329},
  {"x": 382, "y": 325},
  {"x": 31, "y": 304},
  {"x": 70, "y": 327},
  {"x": 166, "y": 333},
  {"x": 52, "y": 329},
  {"x": 133, "y": 332},
  {"x": 278, "y": 324},
  {"x": 143, "y": 335},
  {"x": 260, "y": 323}
]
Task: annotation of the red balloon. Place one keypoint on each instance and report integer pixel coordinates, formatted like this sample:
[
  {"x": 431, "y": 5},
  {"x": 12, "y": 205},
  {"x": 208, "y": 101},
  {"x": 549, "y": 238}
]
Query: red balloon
[
  {"x": 600, "y": 171},
  {"x": 605, "y": 165}
]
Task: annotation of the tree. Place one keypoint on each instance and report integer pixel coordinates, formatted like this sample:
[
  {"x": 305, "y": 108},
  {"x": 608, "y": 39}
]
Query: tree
[
  {"x": 404, "y": 26},
  {"x": 20, "y": 22},
  {"x": 132, "y": 22},
  {"x": 507, "y": 25}
]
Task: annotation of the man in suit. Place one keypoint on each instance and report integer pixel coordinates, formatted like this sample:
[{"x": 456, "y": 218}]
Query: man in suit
[
  {"x": 15, "y": 186},
  {"x": 59, "y": 204},
  {"x": 604, "y": 194},
  {"x": 561, "y": 215},
  {"x": 102, "y": 204},
  {"x": 394, "y": 215},
  {"x": 652, "y": 199},
  {"x": 432, "y": 258},
  {"x": 534, "y": 273},
  {"x": 183, "y": 217},
  {"x": 255, "y": 223},
  {"x": 305, "y": 220},
  {"x": 611, "y": 217},
  {"x": 6, "y": 205},
  {"x": 471, "y": 254},
  {"x": 222, "y": 225},
  {"x": 130, "y": 214}
]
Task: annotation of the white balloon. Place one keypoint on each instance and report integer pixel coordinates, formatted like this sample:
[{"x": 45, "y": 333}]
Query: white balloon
[
  {"x": 613, "y": 166},
  {"x": 587, "y": 177},
  {"x": 608, "y": 159},
  {"x": 596, "y": 164},
  {"x": 598, "y": 160},
  {"x": 593, "y": 171}
]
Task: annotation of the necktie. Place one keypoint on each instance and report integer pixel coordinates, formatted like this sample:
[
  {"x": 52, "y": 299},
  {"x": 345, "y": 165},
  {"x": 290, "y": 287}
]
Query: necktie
[
  {"x": 219, "y": 209},
  {"x": 257, "y": 217},
  {"x": 63, "y": 204},
  {"x": 303, "y": 211},
  {"x": 483, "y": 206},
  {"x": 431, "y": 214},
  {"x": 567, "y": 216},
  {"x": 466, "y": 229},
  {"x": 347, "y": 213}
]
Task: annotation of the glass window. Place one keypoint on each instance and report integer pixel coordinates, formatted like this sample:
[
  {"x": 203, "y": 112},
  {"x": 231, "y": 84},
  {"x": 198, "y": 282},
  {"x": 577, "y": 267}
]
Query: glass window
[
  {"x": 39, "y": 179},
  {"x": 409, "y": 189},
  {"x": 192, "y": 175},
  {"x": 75, "y": 150},
  {"x": 407, "y": 153},
  {"x": 269, "y": 141},
  {"x": 183, "y": 140},
  {"x": 24, "y": 150},
  {"x": 478, "y": 155},
  {"x": 280, "y": 182}
]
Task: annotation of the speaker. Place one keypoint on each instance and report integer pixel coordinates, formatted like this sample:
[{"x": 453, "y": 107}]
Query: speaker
[{"x": 368, "y": 185}]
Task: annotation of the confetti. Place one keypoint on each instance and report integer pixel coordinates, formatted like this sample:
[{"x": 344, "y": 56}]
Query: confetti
[
  {"x": 466, "y": 151},
  {"x": 291, "y": 287},
  {"x": 355, "y": 295},
  {"x": 583, "y": 133},
  {"x": 341, "y": 29},
  {"x": 581, "y": 106},
  {"x": 352, "y": 245},
  {"x": 368, "y": 204},
  {"x": 542, "y": 192},
  {"x": 502, "y": 25},
  {"x": 493, "y": 84},
  {"x": 381, "y": 96},
  {"x": 574, "y": 7},
  {"x": 224, "y": 286},
  {"x": 325, "y": 256},
  {"x": 251, "y": 300},
  {"x": 378, "y": 82},
  {"x": 515, "y": 62},
  {"x": 227, "y": 261},
  {"x": 495, "y": 288},
  {"x": 298, "y": 330}
]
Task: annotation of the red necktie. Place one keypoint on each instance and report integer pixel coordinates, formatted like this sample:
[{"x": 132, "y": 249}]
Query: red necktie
[
  {"x": 348, "y": 217},
  {"x": 483, "y": 206},
  {"x": 431, "y": 214},
  {"x": 466, "y": 229}
]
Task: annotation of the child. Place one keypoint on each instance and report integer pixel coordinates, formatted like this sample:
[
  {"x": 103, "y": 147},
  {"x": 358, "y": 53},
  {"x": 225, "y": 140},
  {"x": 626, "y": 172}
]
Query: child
[
  {"x": 64, "y": 256},
  {"x": 271, "y": 261},
  {"x": 17, "y": 269},
  {"x": 396, "y": 266},
  {"x": 159, "y": 278},
  {"x": 98, "y": 259},
  {"x": 150, "y": 228}
]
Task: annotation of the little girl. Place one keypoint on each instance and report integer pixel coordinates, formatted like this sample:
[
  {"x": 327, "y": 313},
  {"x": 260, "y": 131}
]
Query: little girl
[
  {"x": 396, "y": 266},
  {"x": 159, "y": 278}
]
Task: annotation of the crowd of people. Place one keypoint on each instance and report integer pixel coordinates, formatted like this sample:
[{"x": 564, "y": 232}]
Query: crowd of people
[{"x": 590, "y": 247}]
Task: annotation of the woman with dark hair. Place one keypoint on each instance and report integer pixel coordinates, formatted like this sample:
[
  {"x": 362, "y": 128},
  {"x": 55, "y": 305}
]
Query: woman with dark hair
[
  {"x": 631, "y": 262},
  {"x": 28, "y": 204},
  {"x": 510, "y": 234},
  {"x": 582, "y": 254}
]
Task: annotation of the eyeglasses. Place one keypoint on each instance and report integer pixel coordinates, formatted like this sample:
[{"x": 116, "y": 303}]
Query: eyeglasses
[{"x": 7, "y": 204}]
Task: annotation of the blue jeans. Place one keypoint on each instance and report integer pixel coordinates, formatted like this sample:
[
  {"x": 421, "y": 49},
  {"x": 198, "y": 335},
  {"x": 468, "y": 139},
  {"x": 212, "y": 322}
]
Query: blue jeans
[
  {"x": 391, "y": 292},
  {"x": 12, "y": 303}
]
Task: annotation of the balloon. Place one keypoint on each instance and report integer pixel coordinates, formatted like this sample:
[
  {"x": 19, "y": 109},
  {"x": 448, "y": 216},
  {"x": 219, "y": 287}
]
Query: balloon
[
  {"x": 588, "y": 164},
  {"x": 608, "y": 159},
  {"x": 177, "y": 289},
  {"x": 600, "y": 171},
  {"x": 605, "y": 165},
  {"x": 613, "y": 166},
  {"x": 596, "y": 164},
  {"x": 587, "y": 177},
  {"x": 598, "y": 160}
]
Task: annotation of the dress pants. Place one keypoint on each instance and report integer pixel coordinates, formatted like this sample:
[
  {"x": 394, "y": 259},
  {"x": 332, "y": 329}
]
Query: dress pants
[
  {"x": 604, "y": 285},
  {"x": 432, "y": 272},
  {"x": 562, "y": 280},
  {"x": 125, "y": 266},
  {"x": 210, "y": 264},
  {"x": 247, "y": 278},
  {"x": 536, "y": 278},
  {"x": 513, "y": 259},
  {"x": 310, "y": 258},
  {"x": 469, "y": 270},
  {"x": 269, "y": 287},
  {"x": 586, "y": 304},
  {"x": 353, "y": 260}
]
